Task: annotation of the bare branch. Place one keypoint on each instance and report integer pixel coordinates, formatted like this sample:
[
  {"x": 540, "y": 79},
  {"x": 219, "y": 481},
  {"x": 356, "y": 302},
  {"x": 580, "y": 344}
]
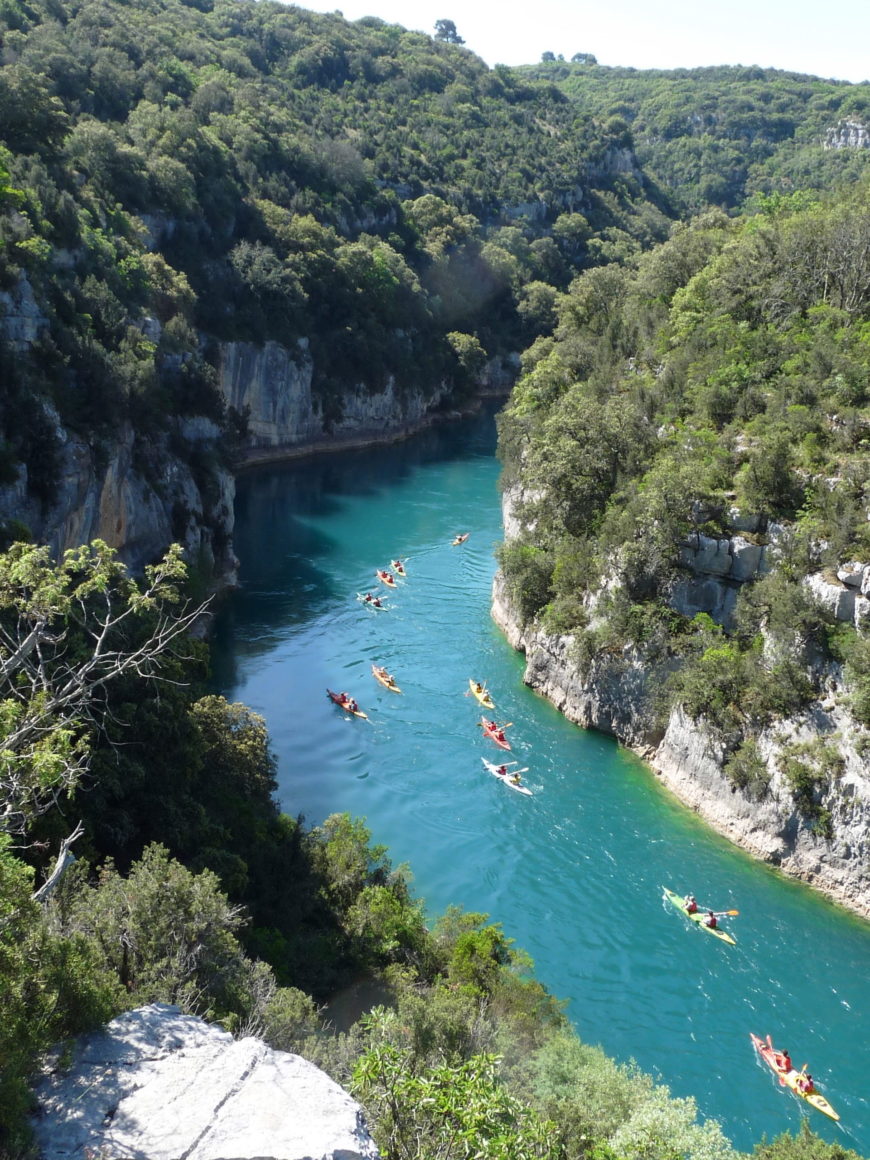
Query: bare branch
[{"x": 64, "y": 860}]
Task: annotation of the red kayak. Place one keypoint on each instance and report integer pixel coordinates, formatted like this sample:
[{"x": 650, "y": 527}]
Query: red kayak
[
  {"x": 494, "y": 732},
  {"x": 347, "y": 703}
]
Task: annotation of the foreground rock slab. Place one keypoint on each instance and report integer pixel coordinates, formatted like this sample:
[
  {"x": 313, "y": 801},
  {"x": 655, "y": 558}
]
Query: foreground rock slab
[{"x": 159, "y": 1085}]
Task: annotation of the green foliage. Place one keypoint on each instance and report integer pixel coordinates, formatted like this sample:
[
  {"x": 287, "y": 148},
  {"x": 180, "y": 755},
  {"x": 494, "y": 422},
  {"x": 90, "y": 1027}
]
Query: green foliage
[
  {"x": 66, "y": 632},
  {"x": 168, "y": 935},
  {"x": 810, "y": 768},
  {"x": 453, "y": 1110},
  {"x": 710, "y": 136},
  {"x": 51, "y": 987},
  {"x": 805, "y": 1145},
  {"x": 527, "y": 572},
  {"x": 601, "y": 1109},
  {"x": 746, "y": 769}
]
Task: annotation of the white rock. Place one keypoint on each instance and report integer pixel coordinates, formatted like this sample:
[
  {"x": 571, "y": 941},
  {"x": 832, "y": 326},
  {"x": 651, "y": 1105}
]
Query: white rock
[{"x": 160, "y": 1085}]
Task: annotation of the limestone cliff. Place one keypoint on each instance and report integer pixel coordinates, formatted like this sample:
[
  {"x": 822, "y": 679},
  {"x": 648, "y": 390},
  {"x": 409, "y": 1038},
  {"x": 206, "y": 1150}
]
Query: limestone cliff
[
  {"x": 159, "y": 1084},
  {"x": 137, "y": 496},
  {"x": 271, "y": 387},
  {"x": 616, "y": 694}
]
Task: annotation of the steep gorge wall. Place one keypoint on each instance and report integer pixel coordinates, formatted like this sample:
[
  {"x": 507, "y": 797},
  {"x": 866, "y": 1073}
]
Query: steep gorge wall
[
  {"x": 141, "y": 494},
  {"x": 616, "y": 694},
  {"x": 272, "y": 387}
]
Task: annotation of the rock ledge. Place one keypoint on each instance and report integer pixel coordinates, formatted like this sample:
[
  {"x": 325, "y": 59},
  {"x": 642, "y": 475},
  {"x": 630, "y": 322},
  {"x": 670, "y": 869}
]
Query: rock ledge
[{"x": 159, "y": 1085}]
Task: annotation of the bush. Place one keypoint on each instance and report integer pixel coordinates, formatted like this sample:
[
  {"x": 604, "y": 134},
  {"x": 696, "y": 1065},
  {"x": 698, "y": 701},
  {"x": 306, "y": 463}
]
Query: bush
[{"x": 747, "y": 770}]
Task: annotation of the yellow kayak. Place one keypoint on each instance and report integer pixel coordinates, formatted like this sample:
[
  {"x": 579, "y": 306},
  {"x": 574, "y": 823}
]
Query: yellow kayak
[
  {"x": 385, "y": 678},
  {"x": 479, "y": 692}
]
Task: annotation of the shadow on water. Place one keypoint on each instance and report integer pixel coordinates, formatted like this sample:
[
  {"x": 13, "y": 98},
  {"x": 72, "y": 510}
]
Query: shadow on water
[{"x": 285, "y": 576}]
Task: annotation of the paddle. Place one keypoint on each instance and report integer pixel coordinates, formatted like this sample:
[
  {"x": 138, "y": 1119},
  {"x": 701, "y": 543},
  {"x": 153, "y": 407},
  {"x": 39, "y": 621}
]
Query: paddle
[{"x": 726, "y": 913}]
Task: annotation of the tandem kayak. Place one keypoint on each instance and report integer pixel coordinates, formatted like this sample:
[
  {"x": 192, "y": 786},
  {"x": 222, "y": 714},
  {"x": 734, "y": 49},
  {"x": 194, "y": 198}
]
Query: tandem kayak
[
  {"x": 509, "y": 777},
  {"x": 386, "y": 577},
  {"x": 385, "y": 678},
  {"x": 494, "y": 733},
  {"x": 373, "y": 602},
  {"x": 340, "y": 700},
  {"x": 698, "y": 918},
  {"x": 791, "y": 1078},
  {"x": 478, "y": 690}
]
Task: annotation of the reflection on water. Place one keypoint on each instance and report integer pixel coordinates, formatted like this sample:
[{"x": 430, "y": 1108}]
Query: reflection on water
[{"x": 575, "y": 873}]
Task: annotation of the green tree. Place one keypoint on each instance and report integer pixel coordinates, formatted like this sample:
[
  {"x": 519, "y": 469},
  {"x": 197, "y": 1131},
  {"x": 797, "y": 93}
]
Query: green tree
[
  {"x": 449, "y": 1112},
  {"x": 66, "y": 632},
  {"x": 446, "y": 30}
]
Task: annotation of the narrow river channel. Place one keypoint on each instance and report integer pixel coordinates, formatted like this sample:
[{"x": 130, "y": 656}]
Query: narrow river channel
[{"x": 574, "y": 874}]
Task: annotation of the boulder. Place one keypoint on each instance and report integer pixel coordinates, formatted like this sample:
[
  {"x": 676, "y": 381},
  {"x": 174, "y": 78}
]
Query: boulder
[{"x": 156, "y": 1084}]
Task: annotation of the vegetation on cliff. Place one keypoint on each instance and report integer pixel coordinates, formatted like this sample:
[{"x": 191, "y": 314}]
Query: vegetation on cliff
[
  {"x": 263, "y": 919},
  {"x": 718, "y": 383},
  {"x": 196, "y": 172},
  {"x": 714, "y": 136},
  {"x": 258, "y": 172}
]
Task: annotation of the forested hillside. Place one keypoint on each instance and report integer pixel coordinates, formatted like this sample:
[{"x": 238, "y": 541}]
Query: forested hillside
[
  {"x": 176, "y": 176},
  {"x": 187, "y": 174},
  {"x": 690, "y": 454},
  {"x": 713, "y": 136}
]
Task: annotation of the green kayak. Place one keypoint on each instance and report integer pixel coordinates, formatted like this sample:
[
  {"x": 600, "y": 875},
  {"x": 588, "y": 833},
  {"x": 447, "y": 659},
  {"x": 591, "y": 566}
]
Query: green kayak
[{"x": 699, "y": 918}]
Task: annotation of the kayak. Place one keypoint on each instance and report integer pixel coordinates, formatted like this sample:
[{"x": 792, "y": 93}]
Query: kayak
[
  {"x": 386, "y": 578},
  {"x": 460, "y": 539},
  {"x": 370, "y": 603},
  {"x": 337, "y": 698},
  {"x": 385, "y": 678},
  {"x": 482, "y": 696},
  {"x": 698, "y": 918},
  {"x": 492, "y": 731},
  {"x": 495, "y": 770},
  {"x": 790, "y": 1078},
  {"x": 398, "y": 567}
]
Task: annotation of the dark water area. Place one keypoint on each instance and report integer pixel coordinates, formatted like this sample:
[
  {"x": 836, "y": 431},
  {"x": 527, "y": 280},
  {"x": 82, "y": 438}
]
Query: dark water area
[{"x": 575, "y": 873}]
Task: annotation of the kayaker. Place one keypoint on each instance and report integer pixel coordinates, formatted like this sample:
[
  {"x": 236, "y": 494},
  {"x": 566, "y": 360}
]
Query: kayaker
[
  {"x": 368, "y": 598},
  {"x": 502, "y": 770},
  {"x": 376, "y": 602},
  {"x": 691, "y": 904},
  {"x": 783, "y": 1061},
  {"x": 805, "y": 1083},
  {"x": 711, "y": 920}
]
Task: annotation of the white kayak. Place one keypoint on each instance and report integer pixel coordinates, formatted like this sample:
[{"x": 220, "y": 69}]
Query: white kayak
[{"x": 508, "y": 778}]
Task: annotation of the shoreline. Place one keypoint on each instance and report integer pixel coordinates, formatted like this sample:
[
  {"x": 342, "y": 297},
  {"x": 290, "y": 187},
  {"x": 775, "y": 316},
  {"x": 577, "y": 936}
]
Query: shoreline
[{"x": 254, "y": 457}]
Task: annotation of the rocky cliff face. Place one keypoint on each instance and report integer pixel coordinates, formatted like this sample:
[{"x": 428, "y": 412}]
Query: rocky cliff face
[
  {"x": 616, "y": 695},
  {"x": 140, "y": 495},
  {"x": 159, "y": 1084},
  {"x": 847, "y": 135},
  {"x": 271, "y": 385},
  {"x": 138, "y": 498}
]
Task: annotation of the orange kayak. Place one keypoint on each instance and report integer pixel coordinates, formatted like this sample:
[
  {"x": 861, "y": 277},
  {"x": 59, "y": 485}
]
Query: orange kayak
[{"x": 791, "y": 1079}]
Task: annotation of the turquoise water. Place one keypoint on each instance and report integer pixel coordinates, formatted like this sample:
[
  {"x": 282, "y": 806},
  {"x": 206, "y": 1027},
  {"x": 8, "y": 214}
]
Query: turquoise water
[{"x": 574, "y": 873}]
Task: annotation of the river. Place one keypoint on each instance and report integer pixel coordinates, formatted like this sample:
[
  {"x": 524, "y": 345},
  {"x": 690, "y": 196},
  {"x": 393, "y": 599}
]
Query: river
[{"x": 574, "y": 873}]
